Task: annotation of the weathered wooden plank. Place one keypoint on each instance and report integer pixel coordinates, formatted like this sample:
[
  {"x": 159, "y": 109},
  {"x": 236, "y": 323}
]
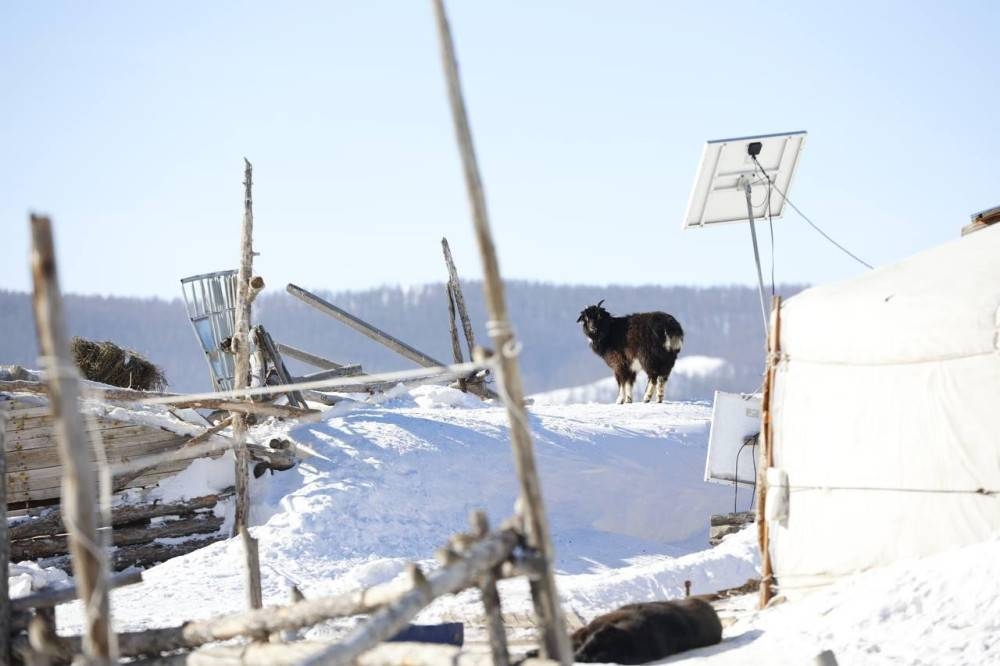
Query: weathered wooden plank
[
  {"x": 49, "y": 477},
  {"x": 19, "y": 460},
  {"x": 43, "y": 436},
  {"x": 364, "y": 327}
]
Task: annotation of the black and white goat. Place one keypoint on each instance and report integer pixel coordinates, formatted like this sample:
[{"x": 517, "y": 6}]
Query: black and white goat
[{"x": 648, "y": 341}]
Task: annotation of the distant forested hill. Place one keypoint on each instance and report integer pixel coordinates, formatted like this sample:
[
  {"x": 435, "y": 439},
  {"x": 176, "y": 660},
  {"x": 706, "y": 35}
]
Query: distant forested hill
[{"x": 718, "y": 321}]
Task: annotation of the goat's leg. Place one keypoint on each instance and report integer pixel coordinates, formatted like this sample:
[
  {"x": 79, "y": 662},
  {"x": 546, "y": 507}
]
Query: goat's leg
[
  {"x": 661, "y": 383},
  {"x": 650, "y": 386},
  {"x": 629, "y": 384},
  {"x": 620, "y": 378}
]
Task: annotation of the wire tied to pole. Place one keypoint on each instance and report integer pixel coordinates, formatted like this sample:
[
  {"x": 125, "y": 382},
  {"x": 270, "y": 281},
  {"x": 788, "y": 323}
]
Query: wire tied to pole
[{"x": 502, "y": 330}]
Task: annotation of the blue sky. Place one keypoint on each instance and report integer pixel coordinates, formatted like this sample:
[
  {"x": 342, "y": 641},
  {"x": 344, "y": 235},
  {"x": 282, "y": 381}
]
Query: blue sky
[{"x": 128, "y": 122}]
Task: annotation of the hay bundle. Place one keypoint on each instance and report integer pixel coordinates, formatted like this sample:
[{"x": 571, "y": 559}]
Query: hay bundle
[{"x": 108, "y": 363}]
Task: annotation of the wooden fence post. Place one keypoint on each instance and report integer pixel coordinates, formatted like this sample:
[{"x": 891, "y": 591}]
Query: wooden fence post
[
  {"x": 79, "y": 480},
  {"x": 555, "y": 641},
  {"x": 241, "y": 345}
]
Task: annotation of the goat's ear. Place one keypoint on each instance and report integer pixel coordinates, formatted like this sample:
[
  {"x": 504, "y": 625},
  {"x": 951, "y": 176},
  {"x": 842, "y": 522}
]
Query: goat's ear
[{"x": 599, "y": 302}]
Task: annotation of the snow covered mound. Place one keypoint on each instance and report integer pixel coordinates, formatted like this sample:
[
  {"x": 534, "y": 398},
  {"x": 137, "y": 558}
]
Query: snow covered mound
[
  {"x": 690, "y": 373},
  {"x": 389, "y": 483}
]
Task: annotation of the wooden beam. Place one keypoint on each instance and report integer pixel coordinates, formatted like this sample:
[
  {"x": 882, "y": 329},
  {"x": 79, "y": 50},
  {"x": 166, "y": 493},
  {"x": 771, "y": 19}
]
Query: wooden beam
[
  {"x": 555, "y": 641},
  {"x": 263, "y": 409},
  {"x": 79, "y": 497},
  {"x": 363, "y": 327},
  {"x": 306, "y": 357}
]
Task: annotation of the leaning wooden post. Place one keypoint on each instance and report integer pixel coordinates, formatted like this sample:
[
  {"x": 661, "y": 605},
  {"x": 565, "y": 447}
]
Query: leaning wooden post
[
  {"x": 456, "y": 288},
  {"x": 241, "y": 344},
  {"x": 767, "y": 451},
  {"x": 4, "y": 541},
  {"x": 79, "y": 480},
  {"x": 555, "y": 642},
  {"x": 456, "y": 346}
]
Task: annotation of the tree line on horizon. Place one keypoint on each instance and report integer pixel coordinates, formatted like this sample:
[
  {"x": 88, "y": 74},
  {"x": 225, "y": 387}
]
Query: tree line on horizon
[{"x": 722, "y": 322}]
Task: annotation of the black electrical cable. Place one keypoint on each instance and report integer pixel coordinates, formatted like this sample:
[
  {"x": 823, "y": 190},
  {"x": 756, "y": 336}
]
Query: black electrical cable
[
  {"x": 810, "y": 222},
  {"x": 749, "y": 441}
]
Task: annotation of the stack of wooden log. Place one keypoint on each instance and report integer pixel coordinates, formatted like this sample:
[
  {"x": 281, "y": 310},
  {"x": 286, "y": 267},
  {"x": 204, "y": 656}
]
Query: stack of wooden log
[{"x": 41, "y": 535}]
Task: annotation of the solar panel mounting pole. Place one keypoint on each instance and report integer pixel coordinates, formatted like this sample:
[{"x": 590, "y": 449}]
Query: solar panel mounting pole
[{"x": 744, "y": 181}]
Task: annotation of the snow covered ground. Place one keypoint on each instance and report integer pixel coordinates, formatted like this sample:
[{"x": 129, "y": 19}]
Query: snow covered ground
[
  {"x": 388, "y": 483},
  {"x": 687, "y": 371}
]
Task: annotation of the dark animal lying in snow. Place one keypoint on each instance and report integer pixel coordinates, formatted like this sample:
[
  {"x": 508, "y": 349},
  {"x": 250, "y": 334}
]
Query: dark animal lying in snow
[
  {"x": 637, "y": 633},
  {"x": 648, "y": 341}
]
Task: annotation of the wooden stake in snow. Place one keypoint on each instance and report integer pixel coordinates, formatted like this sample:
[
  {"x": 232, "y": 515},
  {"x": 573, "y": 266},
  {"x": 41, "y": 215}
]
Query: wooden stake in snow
[
  {"x": 767, "y": 451},
  {"x": 241, "y": 343},
  {"x": 555, "y": 641},
  {"x": 79, "y": 480}
]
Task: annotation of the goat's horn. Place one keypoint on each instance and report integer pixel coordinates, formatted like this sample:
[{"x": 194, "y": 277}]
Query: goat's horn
[{"x": 599, "y": 302}]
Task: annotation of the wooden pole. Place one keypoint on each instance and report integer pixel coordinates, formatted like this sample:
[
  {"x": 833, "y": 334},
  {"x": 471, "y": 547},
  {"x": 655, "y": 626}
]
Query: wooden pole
[
  {"x": 456, "y": 288},
  {"x": 364, "y": 327},
  {"x": 79, "y": 480},
  {"x": 555, "y": 641},
  {"x": 241, "y": 342},
  {"x": 767, "y": 451},
  {"x": 254, "y": 597},
  {"x": 5, "y": 601},
  {"x": 456, "y": 346}
]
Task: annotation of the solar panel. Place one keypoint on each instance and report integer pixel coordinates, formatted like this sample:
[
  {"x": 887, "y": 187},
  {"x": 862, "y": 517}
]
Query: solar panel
[{"x": 719, "y": 194}]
